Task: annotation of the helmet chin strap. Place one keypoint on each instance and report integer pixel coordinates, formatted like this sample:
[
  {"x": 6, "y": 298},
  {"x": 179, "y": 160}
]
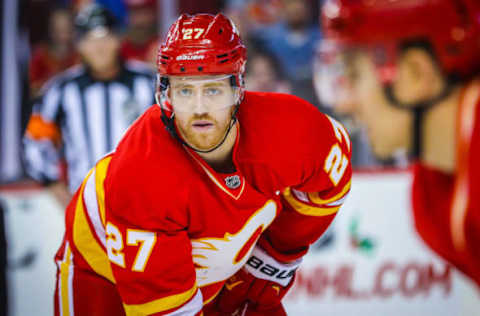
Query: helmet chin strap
[{"x": 418, "y": 109}]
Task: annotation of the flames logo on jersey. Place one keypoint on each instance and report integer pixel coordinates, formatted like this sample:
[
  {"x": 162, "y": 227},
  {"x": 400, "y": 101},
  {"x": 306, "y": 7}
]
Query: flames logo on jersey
[{"x": 217, "y": 259}]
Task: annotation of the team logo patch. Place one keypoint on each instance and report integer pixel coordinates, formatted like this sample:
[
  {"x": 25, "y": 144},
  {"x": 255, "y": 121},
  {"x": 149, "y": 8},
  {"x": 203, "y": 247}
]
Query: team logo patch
[{"x": 233, "y": 182}]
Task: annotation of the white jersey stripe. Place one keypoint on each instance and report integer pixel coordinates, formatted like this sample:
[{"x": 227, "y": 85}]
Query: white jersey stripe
[
  {"x": 96, "y": 116},
  {"x": 74, "y": 137},
  {"x": 59, "y": 286},
  {"x": 90, "y": 199},
  {"x": 65, "y": 295},
  {"x": 142, "y": 91},
  {"x": 70, "y": 287},
  {"x": 51, "y": 102},
  {"x": 191, "y": 308},
  {"x": 338, "y": 202}
]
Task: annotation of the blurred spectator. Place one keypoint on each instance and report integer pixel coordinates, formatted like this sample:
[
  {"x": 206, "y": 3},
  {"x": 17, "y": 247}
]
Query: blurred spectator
[
  {"x": 84, "y": 111},
  {"x": 57, "y": 54},
  {"x": 204, "y": 6},
  {"x": 293, "y": 43},
  {"x": 263, "y": 74},
  {"x": 141, "y": 39},
  {"x": 253, "y": 14},
  {"x": 79, "y": 5}
]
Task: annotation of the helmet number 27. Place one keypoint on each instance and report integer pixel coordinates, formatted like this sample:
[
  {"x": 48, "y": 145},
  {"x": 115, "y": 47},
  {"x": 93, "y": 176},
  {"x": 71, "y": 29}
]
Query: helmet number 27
[{"x": 187, "y": 32}]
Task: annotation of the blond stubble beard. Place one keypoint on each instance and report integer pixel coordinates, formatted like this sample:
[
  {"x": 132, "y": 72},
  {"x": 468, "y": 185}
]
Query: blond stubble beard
[{"x": 204, "y": 140}]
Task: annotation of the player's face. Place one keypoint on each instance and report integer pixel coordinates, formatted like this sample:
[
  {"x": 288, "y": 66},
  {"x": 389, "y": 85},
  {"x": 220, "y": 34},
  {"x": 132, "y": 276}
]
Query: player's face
[
  {"x": 99, "y": 50},
  {"x": 388, "y": 127},
  {"x": 203, "y": 108}
]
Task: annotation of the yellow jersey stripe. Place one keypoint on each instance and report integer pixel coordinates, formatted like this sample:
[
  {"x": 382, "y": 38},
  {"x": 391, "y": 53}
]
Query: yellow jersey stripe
[
  {"x": 306, "y": 209},
  {"x": 85, "y": 241},
  {"x": 64, "y": 281},
  {"x": 313, "y": 196},
  {"x": 100, "y": 174},
  {"x": 160, "y": 305}
]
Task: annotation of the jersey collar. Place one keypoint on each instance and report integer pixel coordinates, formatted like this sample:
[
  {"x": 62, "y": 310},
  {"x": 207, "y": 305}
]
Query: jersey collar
[{"x": 233, "y": 184}]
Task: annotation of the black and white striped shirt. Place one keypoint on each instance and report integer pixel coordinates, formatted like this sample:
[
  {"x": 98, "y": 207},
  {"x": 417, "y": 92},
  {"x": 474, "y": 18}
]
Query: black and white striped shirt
[{"x": 90, "y": 115}]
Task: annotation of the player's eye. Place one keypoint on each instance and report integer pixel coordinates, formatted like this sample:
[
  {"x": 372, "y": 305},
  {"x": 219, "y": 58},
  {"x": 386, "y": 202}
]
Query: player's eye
[
  {"x": 212, "y": 91},
  {"x": 185, "y": 92}
]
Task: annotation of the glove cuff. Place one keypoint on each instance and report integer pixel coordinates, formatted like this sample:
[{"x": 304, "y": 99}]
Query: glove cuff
[{"x": 262, "y": 266}]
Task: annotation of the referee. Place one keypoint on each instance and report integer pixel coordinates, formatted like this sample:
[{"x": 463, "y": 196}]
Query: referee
[{"x": 84, "y": 111}]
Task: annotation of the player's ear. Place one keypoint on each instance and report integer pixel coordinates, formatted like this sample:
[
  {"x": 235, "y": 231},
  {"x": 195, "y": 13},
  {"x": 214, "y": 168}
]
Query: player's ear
[{"x": 418, "y": 76}]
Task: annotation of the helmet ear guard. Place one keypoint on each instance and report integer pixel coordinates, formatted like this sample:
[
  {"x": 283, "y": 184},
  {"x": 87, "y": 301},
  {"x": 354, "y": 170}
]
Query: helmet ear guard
[{"x": 167, "y": 115}]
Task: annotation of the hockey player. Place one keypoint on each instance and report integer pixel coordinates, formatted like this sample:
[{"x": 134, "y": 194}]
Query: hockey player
[
  {"x": 406, "y": 69},
  {"x": 214, "y": 184}
]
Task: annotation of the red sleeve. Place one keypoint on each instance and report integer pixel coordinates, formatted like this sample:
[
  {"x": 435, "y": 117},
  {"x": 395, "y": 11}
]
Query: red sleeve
[{"x": 310, "y": 207}]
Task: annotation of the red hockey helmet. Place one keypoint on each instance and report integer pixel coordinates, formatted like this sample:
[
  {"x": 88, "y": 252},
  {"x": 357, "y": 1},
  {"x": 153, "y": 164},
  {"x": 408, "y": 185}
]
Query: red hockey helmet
[{"x": 201, "y": 45}]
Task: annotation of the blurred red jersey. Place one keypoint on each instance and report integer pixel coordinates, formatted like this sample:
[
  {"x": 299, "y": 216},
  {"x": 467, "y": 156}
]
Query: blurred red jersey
[
  {"x": 447, "y": 206},
  {"x": 166, "y": 230},
  {"x": 44, "y": 65},
  {"x": 145, "y": 52}
]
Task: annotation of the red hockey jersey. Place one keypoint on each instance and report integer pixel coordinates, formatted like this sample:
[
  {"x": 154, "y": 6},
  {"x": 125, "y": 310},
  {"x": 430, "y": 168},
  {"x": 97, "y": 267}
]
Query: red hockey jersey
[
  {"x": 447, "y": 206},
  {"x": 157, "y": 221}
]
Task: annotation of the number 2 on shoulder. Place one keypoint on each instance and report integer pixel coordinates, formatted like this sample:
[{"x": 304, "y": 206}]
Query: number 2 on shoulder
[
  {"x": 336, "y": 162},
  {"x": 114, "y": 245}
]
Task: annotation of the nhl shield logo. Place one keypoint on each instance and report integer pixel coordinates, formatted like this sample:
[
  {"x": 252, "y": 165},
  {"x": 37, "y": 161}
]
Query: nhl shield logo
[{"x": 232, "y": 182}]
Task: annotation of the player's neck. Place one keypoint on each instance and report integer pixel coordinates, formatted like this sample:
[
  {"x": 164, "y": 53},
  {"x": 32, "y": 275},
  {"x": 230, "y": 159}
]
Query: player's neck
[
  {"x": 221, "y": 158},
  {"x": 439, "y": 125}
]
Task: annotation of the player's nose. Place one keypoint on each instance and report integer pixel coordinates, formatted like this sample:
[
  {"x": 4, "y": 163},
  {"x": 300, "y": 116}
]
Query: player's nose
[{"x": 200, "y": 105}]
